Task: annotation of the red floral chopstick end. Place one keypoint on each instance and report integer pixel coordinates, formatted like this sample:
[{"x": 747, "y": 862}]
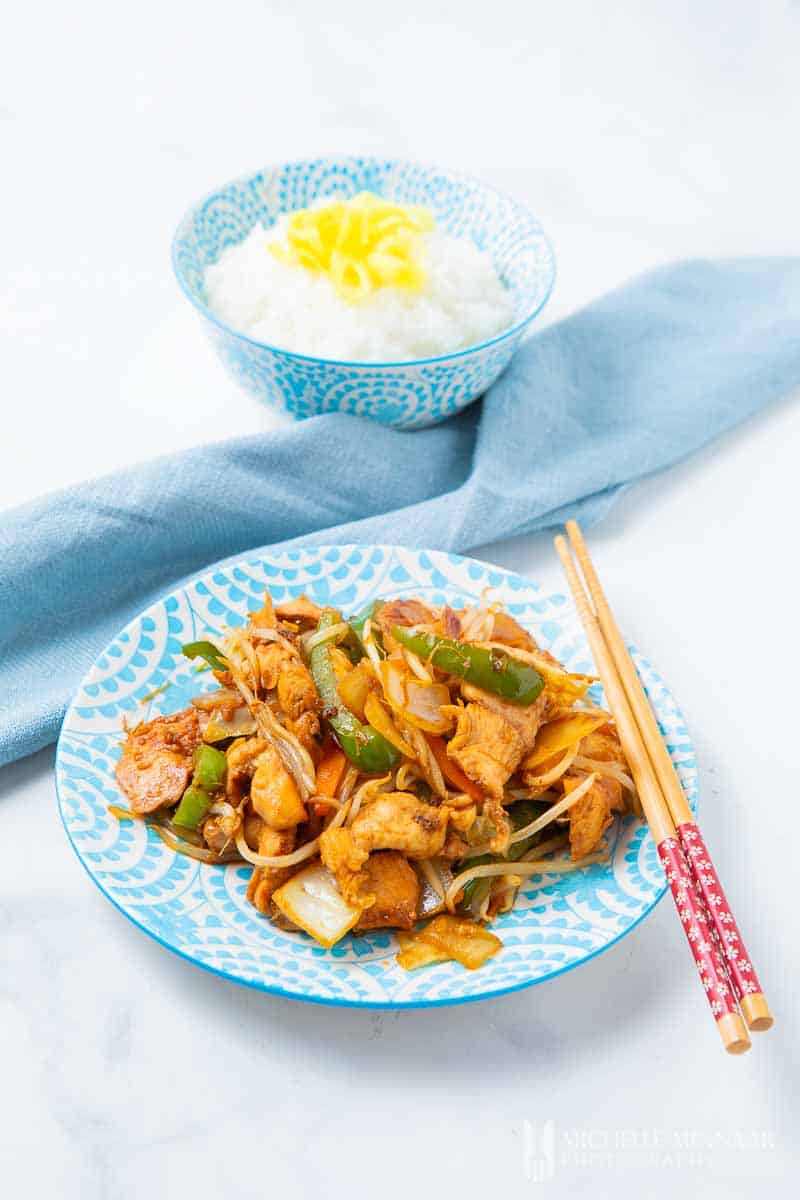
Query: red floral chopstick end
[
  {"x": 699, "y": 932},
  {"x": 740, "y": 969}
]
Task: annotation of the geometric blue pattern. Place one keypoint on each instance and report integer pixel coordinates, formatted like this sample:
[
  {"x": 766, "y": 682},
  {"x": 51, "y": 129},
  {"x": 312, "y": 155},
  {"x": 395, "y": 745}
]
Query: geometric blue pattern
[
  {"x": 408, "y": 395},
  {"x": 201, "y": 911}
]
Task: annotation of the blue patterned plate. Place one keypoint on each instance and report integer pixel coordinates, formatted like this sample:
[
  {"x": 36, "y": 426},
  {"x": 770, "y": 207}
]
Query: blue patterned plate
[{"x": 201, "y": 912}]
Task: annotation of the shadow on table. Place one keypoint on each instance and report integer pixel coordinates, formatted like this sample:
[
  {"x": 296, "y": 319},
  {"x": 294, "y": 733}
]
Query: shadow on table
[{"x": 547, "y": 1024}]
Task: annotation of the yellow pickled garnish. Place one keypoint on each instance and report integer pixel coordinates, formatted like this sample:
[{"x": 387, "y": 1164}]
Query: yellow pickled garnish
[
  {"x": 447, "y": 937},
  {"x": 360, "y": 244}
]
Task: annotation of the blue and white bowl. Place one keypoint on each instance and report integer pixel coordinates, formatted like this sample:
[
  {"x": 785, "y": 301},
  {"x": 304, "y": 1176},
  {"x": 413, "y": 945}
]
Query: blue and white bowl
[{"x": 407, "y": 395}]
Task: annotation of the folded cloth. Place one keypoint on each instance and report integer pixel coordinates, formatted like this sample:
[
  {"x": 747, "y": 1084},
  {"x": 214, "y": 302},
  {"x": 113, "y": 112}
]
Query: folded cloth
[{"x": 633, "y": 382}]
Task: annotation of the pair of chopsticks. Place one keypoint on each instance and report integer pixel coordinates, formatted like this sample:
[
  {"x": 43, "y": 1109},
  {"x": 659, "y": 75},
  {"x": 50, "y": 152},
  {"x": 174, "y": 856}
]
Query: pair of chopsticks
[{"x": 726, "y": 973}]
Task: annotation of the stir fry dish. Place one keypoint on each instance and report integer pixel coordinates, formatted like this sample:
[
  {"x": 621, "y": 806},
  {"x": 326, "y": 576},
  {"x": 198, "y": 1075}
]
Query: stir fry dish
[{"x": 407, "y": 768}]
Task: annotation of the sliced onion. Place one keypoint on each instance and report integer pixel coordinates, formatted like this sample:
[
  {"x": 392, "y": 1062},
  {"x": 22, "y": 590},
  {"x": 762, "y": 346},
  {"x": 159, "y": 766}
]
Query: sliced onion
[
  {"x": 431, "y": 897},
  {"x": 393, "y": 678},
  {"x": 447, "y": 937},
  {"x": 377, "y": 715},
  {"x": 261, "y": 634},
  {"x": 325, "y": 635},
  {"x": 561, "y": 734},
  {"x": 477, "y": 622},
  {"x": 419, "y": 703},
  {"x": 312, "y": 900},
  {"x": 416, "y": 666},
  {"x": 429, "y": 871},
  {"x": 415, "y": 953},
  {"x": 240, "y": 724},
  {"x": 424, "y": 703},
  {"x": 544, "y": 781},
  {"x": 368, "y": 642},
  {"x": 426, "y": 758}
]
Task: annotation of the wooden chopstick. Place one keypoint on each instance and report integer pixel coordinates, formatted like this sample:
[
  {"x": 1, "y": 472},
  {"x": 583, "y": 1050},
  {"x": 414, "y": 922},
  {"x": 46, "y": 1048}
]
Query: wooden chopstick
[
  {"x": 751, "y": 998},
  {"x": 689, "y": 904}
]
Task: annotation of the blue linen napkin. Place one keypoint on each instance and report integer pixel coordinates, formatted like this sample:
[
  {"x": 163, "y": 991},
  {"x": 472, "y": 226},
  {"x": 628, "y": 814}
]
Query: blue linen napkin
[{"x": 628, "y": 385}]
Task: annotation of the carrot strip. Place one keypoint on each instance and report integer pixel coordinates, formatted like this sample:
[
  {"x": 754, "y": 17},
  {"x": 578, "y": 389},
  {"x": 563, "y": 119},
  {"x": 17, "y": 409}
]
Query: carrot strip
[
  {"x": 330, "y": 771},
  {"x": 329, "y": 776},
  {"x": 451, "y": 771}
]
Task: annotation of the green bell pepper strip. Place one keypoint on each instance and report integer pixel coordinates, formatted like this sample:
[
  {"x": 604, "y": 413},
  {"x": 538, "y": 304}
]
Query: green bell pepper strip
[
  {"x": 193, "y": 808},
  {"x": 210, "y": 769},
  {"x": 492, "y": 670},
  {"x": 358, "y": 622},
  {"x": 207, "y": 650},
  {"x": 364, "y": 746}
]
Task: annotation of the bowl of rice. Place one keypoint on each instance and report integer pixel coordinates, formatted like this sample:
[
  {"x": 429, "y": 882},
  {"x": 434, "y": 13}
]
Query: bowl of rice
[{"x": 370, "y": 286}]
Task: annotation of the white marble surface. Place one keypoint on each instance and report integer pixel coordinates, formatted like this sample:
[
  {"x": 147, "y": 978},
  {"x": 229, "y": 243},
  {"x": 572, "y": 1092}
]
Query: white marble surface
[{"x": 638, "y": 133}]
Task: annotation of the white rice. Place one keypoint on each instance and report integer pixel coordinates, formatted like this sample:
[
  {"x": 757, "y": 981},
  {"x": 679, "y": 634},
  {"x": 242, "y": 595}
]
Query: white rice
[{"x": 462, "y": 303}]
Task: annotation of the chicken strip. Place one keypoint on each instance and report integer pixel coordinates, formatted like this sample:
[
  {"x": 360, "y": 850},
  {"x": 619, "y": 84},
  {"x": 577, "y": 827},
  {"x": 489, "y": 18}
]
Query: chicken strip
[
  {"x": 395, "y": 885},
  {"x": 299, "y": 609},
  {"x": 449, "y": 624},
  {"x": 401, "y": 612},
  {"x": 485, "y": 746},
  {"x": 266, "y": 880},
  {"x": 270, "y": 657},
  {"x": 492, "y": 736},
  {"x": 296, "y": 691},
  {"x": 591, "y": 816},
  {"x": 156, "y": 761},
  {"x": 307, "y": 730},
  {"x": 273, "y": 792},
  {"x": 525, "y": 719},
  {"x": 604, "y": 746},
  {"x": 344, "y": 859},
  {"x": 243, "y": 758},
  {"x": 508, "y": 631},
  {"x": 400, "y": 821}
]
